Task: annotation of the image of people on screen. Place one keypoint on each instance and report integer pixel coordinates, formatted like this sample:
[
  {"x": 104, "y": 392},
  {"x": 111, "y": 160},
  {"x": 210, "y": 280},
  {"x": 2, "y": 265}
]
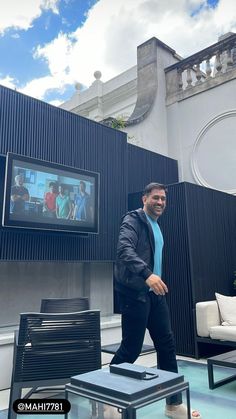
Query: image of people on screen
[
  {"x": 19, "y": 196},
  {"x": 82, "y": 204},
  {"x": 49, "y": 203},
  {"x": 63, "y": 204}
]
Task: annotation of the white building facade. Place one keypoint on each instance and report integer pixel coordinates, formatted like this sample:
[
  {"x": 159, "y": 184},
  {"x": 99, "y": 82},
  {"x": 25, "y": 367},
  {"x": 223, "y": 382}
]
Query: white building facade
[{"x": 181, "y": 108}]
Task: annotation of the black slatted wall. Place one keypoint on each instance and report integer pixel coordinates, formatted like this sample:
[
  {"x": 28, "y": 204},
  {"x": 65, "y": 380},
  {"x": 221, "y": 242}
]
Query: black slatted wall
[
  {"x": 177, "y": 268},
  {"x": 199, "y": 228},
  {"x": 212, "y": 237},
  {"x": 36, "y": 129},
  {"x": 145, "y": 166},
  {"x": 200, "y": 253}
]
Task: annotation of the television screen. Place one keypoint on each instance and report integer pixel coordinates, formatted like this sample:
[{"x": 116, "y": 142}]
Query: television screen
[{"x": 49, "y": 196}]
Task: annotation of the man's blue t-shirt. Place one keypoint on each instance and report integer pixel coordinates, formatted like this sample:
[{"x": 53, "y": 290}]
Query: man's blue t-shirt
[
  {"x": 82, "y": 203},
  {"x": 159, "y": 242}
]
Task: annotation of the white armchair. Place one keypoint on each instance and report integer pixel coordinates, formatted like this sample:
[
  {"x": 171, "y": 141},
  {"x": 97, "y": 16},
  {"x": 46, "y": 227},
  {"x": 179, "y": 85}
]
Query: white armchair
[{"x": 209, "y": 323}]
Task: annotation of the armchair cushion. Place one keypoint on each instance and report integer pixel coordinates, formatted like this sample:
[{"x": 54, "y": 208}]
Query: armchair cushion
[
  {"x": 223, "y": 333},
  {"x": 207, "y": 315},
  {"x": 227, "y": 308}
]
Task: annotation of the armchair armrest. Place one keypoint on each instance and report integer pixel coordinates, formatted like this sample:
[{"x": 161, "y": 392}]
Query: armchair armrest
[{"x": 207, "y": 315}]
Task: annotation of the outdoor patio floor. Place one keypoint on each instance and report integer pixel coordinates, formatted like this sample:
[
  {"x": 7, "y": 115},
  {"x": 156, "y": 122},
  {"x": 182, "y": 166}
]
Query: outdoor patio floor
[{"x": 217, "y": 403}]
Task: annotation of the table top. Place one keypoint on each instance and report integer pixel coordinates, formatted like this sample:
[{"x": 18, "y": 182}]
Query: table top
[
  {"x": 226, "y": 359},
  {"x": 126, "y": 388}
]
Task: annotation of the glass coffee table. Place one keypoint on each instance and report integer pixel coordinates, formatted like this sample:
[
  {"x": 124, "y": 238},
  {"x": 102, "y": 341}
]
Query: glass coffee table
[
  {"x": 124, "y": 391},
  {"x": 227, "y": 360}
]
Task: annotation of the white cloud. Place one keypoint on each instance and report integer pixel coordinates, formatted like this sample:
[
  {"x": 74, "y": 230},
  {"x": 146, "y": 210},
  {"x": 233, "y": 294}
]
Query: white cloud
[
  {"x": 19, "y": 14},
  {"x": 225, "y": 16},
  {"x": 108, "y": 39},
  {"x": 8, "y": 81},
  {"x": 56, "y": 54},
  {"x": 15, "y": 36},
  {"x": 39, "y": 87},
  {"x": 55, "y": 102}
]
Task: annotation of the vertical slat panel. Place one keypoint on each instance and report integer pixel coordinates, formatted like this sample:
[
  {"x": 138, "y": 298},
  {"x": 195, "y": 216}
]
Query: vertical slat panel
[
  {"x": 200, "y": 253},
  {"x": 145, "y": 166},
  {"x": 212, "y": 237},
  {"x": 36, "y": 129},
  {"x": 177, "y": 268}
]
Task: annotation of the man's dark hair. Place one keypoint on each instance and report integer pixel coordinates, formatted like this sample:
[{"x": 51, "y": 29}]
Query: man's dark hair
[
  {"x": 83, "y": 183},
  {"x": 153, "y": 185},
  {"x": 52, "y": 184}
]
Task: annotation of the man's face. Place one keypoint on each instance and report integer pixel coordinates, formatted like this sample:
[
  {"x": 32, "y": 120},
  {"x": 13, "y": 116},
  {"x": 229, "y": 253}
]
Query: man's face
[
  {"x": 19, "y": 181},
  {"x": 82, "y": 187},
  {"x": 155, "y": 203}
]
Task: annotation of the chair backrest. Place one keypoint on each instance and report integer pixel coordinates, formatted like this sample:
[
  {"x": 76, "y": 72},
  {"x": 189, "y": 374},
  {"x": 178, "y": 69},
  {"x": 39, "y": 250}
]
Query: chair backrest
[
  {"x": 57, "y": 346},
  {"x": 64, "y": 305}
]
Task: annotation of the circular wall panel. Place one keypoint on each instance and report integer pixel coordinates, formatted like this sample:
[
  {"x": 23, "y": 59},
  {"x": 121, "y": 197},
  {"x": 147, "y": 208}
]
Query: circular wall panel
[{"x": 213, "y": 160}]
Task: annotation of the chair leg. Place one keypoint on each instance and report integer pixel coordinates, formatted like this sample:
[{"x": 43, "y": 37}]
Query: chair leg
[
  {"x": 94, "y": 409},
  {"x": 15, "y": 393},
  {"x": 30, "y": 392}
]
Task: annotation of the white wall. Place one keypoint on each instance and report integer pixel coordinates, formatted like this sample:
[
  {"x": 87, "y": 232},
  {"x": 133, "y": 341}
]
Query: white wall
[
  {"x": 197, "y": 128},
  {"x": 115, "y": 97},
  {"x": 201, "y": 136},
  {"x": 24, "y": 284}
]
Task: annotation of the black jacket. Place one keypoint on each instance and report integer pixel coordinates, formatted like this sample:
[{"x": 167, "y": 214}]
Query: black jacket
[{"x": 135, "y": 255}]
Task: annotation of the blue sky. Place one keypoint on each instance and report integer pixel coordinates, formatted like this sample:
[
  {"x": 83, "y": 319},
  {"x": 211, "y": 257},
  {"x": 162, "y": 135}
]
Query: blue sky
[
  {"x": 199, "y": 7},
  {"x": 46, "y": 46},
  {"x": 44, "y": 29}
]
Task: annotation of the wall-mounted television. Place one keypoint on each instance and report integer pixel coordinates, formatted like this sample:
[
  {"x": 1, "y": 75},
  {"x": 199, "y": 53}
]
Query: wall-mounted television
[{"x": 48, "y": 196}]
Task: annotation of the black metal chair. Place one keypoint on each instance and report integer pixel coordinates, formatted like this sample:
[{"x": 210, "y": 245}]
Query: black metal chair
[
  {"x": 51, "y": 348},
  {"x": 64, "y": 305}
]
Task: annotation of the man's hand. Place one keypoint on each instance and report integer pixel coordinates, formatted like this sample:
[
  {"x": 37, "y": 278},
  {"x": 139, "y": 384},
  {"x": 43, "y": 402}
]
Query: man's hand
[{"x": 156, "y": 284}]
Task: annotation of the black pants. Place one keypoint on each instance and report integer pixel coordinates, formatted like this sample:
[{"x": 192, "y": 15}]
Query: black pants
[{"x": 137, "y": 316}]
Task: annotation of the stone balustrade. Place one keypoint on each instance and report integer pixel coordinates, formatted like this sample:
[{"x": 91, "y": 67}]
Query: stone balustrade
[{"x": 203, "y": 70}]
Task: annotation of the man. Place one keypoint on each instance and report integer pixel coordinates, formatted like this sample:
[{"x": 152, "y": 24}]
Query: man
[
  {"x": 82, "y": 210},
  {"x": 63, "y": 204},
  {"x": 141, "y": 290},
  {"x": 50, "y": 201},
  {"x": 19, "y": 195}
]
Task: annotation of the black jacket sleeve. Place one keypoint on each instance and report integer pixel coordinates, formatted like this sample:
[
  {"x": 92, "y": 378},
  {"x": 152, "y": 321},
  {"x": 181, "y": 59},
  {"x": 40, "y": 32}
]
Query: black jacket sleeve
[{"x": 127, "y": 245}]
